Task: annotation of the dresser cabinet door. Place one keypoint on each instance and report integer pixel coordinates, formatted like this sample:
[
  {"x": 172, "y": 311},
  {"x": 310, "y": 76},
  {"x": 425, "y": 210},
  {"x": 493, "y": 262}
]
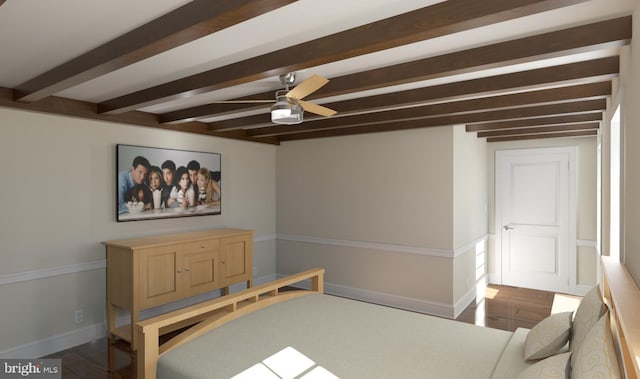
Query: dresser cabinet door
[
  {"x": 160, "y": 275},
  {"x": 236, "y": 258},
  {"x": 201, "y": 266}
]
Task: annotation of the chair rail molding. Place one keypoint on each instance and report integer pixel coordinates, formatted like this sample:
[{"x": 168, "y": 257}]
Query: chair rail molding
[
  {"x": 441, "y": 253},
  {"x": 49, "y": 272}
]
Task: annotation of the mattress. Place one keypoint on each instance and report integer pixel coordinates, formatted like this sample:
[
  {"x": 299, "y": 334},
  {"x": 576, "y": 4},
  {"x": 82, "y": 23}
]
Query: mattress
[
  {"x": 346, "y": 338},
  {"x": 511, "y": 361}
]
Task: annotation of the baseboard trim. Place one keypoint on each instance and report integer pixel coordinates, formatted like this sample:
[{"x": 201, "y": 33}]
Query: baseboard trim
[
  {"x": 381, "y": 298},
  {"x": 52, "y": 344},
  {"x": 397, "y": 301},
  {"x": 462, "y": 303}
]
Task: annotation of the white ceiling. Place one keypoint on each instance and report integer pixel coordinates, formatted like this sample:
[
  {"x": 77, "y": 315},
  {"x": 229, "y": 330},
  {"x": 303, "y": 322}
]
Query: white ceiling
[{"x": 37, "y": 35}]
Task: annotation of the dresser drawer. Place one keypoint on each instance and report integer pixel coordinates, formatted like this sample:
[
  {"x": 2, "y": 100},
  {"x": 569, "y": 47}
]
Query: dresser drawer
[{"x": 203, "y": 245}]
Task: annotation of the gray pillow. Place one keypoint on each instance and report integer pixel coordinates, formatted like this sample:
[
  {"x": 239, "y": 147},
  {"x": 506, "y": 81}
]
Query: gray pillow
[
  {"x": 597, "y": 357},
  {"x": 555, "y": 367},
  {"x": 589, "y": 311},
  {"x": 548, "y": 336}
]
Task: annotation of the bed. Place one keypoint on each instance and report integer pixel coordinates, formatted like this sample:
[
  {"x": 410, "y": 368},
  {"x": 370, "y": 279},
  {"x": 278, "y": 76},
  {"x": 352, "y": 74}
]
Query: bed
[{"x": 269, "y": 332}]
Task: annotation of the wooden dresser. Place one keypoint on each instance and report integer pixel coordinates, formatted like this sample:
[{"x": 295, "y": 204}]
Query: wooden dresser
[{"x": 149, "y": 271}]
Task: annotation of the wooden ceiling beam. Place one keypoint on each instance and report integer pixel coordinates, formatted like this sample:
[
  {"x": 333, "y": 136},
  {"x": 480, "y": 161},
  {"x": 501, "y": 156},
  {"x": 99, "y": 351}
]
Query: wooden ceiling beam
[
  {"x": 194, "y": 20},
  {"x": 542, "y": 129},
  {"x": 594, "y": 70},
  {"x": 613, "y": 32},
  {"x": 539, "y": 121},
  {"x": 433, "y": 21},
  {"x": 87, "y": 110},
  {"x": 581, "y": 133},
  {"x": 577, "y": 107},
  {"x": 598, "y": 70},
  {"x": 555, "y": 95}
]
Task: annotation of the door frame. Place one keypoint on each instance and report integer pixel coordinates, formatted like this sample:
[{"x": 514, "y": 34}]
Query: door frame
[{"x": 572, "y": 152}]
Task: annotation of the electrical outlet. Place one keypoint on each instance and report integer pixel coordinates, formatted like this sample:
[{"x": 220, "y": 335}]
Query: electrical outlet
[{"x": 79, "y": 316}]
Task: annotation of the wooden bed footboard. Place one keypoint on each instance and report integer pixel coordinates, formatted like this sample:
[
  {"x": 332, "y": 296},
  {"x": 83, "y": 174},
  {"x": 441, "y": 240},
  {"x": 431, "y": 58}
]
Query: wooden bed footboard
[
  {"x": 623, "y": 299},
  {"x": 203, "y": 317}
]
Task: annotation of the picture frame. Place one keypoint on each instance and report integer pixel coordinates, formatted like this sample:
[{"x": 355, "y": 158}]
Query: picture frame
[{"x": 142, "y": 191}]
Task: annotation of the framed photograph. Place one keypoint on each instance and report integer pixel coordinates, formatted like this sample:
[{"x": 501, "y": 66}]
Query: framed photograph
[{"x": 154, "y": 183}]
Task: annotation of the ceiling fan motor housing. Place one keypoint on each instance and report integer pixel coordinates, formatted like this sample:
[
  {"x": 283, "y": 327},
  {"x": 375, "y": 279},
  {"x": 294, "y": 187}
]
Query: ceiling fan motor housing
[{"x": 288, "y": 79}]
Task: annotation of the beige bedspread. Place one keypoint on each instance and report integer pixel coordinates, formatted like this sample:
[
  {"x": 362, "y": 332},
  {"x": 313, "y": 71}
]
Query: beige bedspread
[{"x": 349, "y": 339}]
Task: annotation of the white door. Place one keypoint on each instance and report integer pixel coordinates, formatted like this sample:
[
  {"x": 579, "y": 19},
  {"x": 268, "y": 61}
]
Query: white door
[{"x": 535, "y": 219}]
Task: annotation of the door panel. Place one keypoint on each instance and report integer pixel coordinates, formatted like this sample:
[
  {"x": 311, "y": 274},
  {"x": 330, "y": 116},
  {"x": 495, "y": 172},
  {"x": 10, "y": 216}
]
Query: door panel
[
  {"x": 201, "y": 272},
  {"x": 533, "y": 206},
  {"x": 536, "y": 253},
  {"x": 201, "y": 266},
  {"x": 236, "y": 259},
  {"x": 160, "y": 281},
  {"x": 532, "y": 203}
]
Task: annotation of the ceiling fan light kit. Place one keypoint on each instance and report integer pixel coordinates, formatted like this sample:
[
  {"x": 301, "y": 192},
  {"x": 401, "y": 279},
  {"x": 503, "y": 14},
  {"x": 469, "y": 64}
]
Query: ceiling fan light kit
[{"x": 286, "y": 111}]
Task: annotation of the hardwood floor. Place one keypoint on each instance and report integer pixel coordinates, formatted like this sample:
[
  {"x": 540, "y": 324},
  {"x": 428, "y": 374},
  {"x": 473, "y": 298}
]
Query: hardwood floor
[
  {"x": 509, "y": 308},
  {"x": 503, "y": 307}
]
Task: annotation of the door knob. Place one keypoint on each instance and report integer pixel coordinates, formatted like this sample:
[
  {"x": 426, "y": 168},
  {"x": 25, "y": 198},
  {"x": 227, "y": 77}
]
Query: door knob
[{"x": 507, "y": 227}]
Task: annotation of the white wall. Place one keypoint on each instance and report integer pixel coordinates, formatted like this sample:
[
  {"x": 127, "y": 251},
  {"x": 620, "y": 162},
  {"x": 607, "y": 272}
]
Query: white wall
[
  {"x": 59, "y": 204},
  {"x": 469, "y": 186},
  {"x": 469, "y": 207},
  {"x": 377, "y": 211},
  {"x": 630, "y": 125},
  {"x": 390, "y": 188}
]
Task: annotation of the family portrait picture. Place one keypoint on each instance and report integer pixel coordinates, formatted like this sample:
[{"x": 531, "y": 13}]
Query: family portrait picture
[{"x": 157, "y": 183}]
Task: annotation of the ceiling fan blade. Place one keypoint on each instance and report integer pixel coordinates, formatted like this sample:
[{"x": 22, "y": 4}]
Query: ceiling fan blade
[
  {"x": 307, "y": 87},
  {"x": 317, "y": 109}
]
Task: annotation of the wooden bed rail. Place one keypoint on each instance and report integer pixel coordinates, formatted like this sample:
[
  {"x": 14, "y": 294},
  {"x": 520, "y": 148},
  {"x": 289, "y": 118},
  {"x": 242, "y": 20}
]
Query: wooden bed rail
[
  {"x": 623, "y": 298},
  {"x": 211, "y": 314}
]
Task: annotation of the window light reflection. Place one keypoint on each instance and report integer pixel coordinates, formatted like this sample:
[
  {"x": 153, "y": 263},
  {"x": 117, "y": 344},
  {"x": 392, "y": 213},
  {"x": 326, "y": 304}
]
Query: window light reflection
[{"x": 288, "y": 363}]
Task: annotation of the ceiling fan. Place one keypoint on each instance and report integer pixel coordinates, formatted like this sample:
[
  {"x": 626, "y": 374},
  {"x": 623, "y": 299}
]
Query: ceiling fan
[{"x": 289, "y": 106}]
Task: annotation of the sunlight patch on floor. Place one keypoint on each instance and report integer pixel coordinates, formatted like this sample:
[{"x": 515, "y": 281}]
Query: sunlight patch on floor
[
  {"x": 491, "y": 293},
  {"x": 564, "y": 303}
]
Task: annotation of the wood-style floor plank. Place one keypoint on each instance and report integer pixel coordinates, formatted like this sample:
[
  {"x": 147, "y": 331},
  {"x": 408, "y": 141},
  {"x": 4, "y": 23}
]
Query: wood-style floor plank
[{"x": 503, "y": 307}]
